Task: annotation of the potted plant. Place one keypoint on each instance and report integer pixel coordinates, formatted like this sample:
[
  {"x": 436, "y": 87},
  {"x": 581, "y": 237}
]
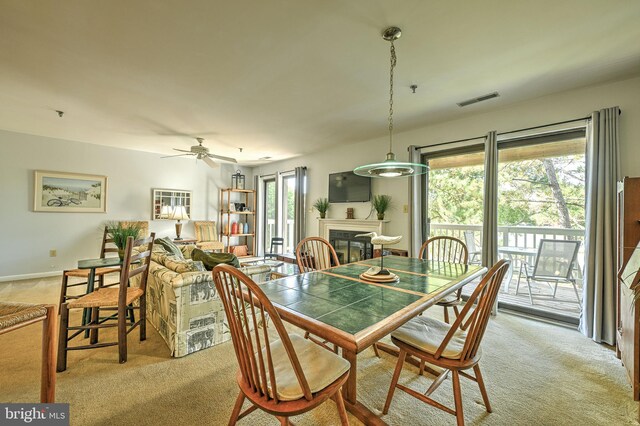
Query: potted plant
[
  {"x": 120, "y": 233},
  {"x": 381, "y": 203},
  {"x": 322, "y": 205}
]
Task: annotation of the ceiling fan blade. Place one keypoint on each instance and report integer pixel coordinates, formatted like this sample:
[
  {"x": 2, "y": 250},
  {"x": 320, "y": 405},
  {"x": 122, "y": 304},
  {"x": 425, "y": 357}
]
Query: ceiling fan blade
[
  {"x": 179, "y": 155},
  {"x": 210, "y": 162},
  {"x": 220, "y": 157},
  {"x": 182, "y": 150}
]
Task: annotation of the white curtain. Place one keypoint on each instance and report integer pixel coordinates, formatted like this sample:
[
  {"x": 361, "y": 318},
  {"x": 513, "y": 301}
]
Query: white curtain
[
  {"x": 415, "y": 203},
  {"x": 259, "y": 231},
  {"x": 598, "y": 318},
  {"x": 490, "y": 228},
  {"x": 300, "y": 204}
]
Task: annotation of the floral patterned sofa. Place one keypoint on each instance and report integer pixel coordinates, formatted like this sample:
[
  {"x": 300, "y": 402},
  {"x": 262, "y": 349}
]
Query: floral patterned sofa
[{"x": 183, "y": 304}]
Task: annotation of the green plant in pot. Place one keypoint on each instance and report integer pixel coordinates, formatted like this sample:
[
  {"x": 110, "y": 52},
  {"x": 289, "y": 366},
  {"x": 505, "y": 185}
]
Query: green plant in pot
[
  {"x": 120, "y": 233},
  {"x": 381, "y": 203},
  {"x": 322, "y": 205}
]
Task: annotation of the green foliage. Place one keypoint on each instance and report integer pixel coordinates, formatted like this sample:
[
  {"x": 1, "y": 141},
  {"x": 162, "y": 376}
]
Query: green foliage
[
  {"x": 322, "y": 205},
  {"x": 120, "y": 233},
  {"x": 381, "y": 203},
  {"x": 525, "y": 196}
]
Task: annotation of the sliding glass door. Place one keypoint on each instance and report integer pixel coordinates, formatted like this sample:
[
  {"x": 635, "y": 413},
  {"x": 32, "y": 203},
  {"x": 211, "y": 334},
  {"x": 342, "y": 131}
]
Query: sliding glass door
[
  {"x": 270, "y": 213},
  {"x": 288, "y": 212},
  {"x": 541, "y": 196}
]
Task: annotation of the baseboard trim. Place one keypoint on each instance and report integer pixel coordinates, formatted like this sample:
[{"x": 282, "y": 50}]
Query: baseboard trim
[{"x": 29, "y": 276}]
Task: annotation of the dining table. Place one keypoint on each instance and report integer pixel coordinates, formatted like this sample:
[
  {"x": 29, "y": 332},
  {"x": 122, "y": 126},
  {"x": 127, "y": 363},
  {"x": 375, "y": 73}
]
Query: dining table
[{"x": 336, "y": 305}]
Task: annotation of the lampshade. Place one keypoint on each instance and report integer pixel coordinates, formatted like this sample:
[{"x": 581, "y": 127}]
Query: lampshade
[
  {"x": 390, "y": 168},
  {"x": 179, "y": 213},
  {"x": 165, "y": 212}
]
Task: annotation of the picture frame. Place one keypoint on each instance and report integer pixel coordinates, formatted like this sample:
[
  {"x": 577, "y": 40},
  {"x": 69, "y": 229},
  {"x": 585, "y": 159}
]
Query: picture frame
[{"x": 64, "y": 192}]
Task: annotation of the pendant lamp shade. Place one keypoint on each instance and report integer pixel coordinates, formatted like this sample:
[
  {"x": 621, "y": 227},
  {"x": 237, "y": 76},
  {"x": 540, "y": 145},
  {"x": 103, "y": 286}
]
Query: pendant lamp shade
[{"x": 390, "y": 168}]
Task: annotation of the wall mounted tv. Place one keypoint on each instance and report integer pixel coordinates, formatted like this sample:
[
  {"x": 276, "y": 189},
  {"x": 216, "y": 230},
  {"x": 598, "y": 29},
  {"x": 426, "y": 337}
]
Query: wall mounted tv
[{"x": 347, "y": 187}]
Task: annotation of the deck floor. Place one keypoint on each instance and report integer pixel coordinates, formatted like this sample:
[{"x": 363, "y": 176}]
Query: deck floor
[{"x": 564, "y": 303}]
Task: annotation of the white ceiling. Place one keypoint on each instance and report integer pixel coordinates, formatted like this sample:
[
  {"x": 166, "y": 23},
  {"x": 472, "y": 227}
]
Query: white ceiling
[{"x": 289, "y": 77}]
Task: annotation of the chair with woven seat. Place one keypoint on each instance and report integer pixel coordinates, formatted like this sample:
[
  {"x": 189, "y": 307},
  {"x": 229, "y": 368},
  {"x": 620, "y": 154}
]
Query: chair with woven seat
[
  {"x": 142, "y": 225},
  {"x": 107, "y": 247},
  {"x": 455, "y": 348},
  {"x": 14, "y": 315},
  {"x": 120, "y": 299},
  {"x": 314, "y": 254},
  {"x": 284, "y": 374},
  {"x": 451, "y": 250},
  {"x": 207, "y": 235}
]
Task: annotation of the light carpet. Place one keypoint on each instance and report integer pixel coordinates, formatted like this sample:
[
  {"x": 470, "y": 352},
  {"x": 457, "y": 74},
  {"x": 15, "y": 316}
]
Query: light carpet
[{"x": 535, "y": 373}]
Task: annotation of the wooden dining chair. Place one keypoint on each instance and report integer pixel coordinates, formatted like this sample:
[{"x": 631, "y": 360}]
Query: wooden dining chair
[
  {"x": 285, "y": 375},
  {"x": 314, "y": 254},
  {"x": 107, "y": 247},
  {"x": 451, "y": 250},
  {"x": 119, "y": 299},
  {"x": 455, "y": 347},
  {"x": 15, "y": 315}
]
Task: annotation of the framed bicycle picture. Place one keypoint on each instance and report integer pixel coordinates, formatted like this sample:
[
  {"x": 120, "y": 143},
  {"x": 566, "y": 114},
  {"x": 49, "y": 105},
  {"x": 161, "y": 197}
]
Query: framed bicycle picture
[{"x": 69, "y": 192}]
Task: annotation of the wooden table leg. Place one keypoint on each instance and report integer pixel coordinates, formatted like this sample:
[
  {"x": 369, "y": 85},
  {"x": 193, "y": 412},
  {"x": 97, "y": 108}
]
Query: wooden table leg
[
  {"x": 349, "y": 392},
  {"x": 49, "y": 356}
]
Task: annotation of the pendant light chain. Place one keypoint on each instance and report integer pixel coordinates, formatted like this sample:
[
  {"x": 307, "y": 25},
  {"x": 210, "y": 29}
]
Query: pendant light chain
[{"x": 393, "y": 65}]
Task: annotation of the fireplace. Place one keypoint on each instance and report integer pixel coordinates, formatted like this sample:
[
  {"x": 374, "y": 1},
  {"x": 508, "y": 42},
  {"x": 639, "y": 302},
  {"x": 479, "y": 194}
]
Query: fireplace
[{"x": 350, "y": 248}]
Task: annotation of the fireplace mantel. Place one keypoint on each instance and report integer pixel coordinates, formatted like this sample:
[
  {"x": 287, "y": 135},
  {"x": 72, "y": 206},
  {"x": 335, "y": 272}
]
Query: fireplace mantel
[{"x": 359, "y": 225}]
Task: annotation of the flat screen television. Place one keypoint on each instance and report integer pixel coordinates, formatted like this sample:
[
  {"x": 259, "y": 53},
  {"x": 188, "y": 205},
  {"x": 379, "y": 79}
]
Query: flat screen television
[{"x": 347, "y": 187}]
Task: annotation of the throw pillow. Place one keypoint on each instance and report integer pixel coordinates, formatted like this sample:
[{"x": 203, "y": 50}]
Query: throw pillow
[
  {"x": 210, "y": 260},
  {"x": 170, "y": 247},
  {"x": 181, "y": 266}
]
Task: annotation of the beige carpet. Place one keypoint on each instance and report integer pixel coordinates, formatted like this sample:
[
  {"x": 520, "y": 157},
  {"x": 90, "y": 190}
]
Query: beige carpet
[{"x": 535, "y": 373}]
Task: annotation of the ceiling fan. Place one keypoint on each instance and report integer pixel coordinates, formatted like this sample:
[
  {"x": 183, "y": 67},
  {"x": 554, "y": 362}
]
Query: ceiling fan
[{"x": 202, "y": 153}]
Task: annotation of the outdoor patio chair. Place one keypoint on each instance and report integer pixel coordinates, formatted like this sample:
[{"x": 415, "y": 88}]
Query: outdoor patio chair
[
  {"x": 475, "y": 255},
  {"x": 554, "y": 263},
  {"x": 275, "y": 242}
]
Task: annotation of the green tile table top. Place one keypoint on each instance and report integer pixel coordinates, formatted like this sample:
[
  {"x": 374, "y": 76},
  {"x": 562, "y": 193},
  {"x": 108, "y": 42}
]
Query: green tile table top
[{"x": 337, "y": 296}]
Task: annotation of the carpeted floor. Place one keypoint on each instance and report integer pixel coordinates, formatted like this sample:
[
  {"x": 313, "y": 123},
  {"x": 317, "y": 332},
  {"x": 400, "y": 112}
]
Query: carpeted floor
[{"x": 535, "y": 373}]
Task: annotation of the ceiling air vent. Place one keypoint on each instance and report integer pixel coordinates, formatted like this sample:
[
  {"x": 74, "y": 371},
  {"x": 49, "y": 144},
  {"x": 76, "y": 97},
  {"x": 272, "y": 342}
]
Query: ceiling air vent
[{"x": 478, "y": 99}]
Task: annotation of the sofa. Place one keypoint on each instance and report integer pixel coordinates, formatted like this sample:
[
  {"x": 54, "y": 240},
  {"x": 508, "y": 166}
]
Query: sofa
[{"x": 183, "y": 304}]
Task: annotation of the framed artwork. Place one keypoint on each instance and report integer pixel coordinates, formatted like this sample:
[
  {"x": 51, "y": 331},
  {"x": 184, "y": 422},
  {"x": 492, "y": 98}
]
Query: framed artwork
[
  {"x": 69, "y": 192},
  {"x": 165, "y": 202}
]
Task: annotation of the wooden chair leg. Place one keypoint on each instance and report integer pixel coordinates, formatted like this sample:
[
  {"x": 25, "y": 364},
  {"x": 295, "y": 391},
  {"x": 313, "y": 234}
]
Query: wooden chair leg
[
  {"x": 48, "y": 373},
  {"x": 95, "y": 319},
  {"x": 483, "y": 391},
  {"x": 394, "y": 381},
  {"x": 143, "y": 318},
  {"x": 456, "y": 311},
  {"x": 284, "y": 421},
  {"x": 457, "y": 397},
  {"x": 236, "y": 409},
  {"x": 422, "y": 366},
  {"x": 62, "y": 338},
  {"x": 375, "y": 350},
  {"x": 122, "y": 334},
  {"x": 344, "y": 420},
  {"x": 446, "y": 315},
  {"x": 63, "y": 290}
]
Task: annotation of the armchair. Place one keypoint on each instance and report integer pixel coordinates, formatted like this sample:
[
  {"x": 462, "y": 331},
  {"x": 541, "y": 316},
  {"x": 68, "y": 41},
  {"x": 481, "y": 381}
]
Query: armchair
[{"x": 207, "y": 235}]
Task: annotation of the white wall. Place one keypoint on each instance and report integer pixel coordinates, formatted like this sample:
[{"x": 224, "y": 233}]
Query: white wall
[
  {"x": 28, "y": 236},
  {"x": 549, "y": 109}
]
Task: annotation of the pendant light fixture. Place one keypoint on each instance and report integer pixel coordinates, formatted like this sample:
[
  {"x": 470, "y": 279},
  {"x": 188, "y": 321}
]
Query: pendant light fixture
[{"x": 390, "y": 167}]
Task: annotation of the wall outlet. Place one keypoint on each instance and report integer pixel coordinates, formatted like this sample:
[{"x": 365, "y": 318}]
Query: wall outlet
[
  {"x": 405, "y": 208},
  {"x": 53, "y": 253}
]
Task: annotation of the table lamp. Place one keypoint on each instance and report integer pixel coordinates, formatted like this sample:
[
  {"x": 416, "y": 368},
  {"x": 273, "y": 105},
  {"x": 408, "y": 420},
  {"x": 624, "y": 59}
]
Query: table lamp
[
  {"x": 165, "y": 212},
  {"x": 179, "y": 213}
]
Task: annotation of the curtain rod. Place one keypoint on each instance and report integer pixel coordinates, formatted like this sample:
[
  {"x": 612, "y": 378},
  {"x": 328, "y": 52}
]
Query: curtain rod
[{"x": 511, "y": 131}]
